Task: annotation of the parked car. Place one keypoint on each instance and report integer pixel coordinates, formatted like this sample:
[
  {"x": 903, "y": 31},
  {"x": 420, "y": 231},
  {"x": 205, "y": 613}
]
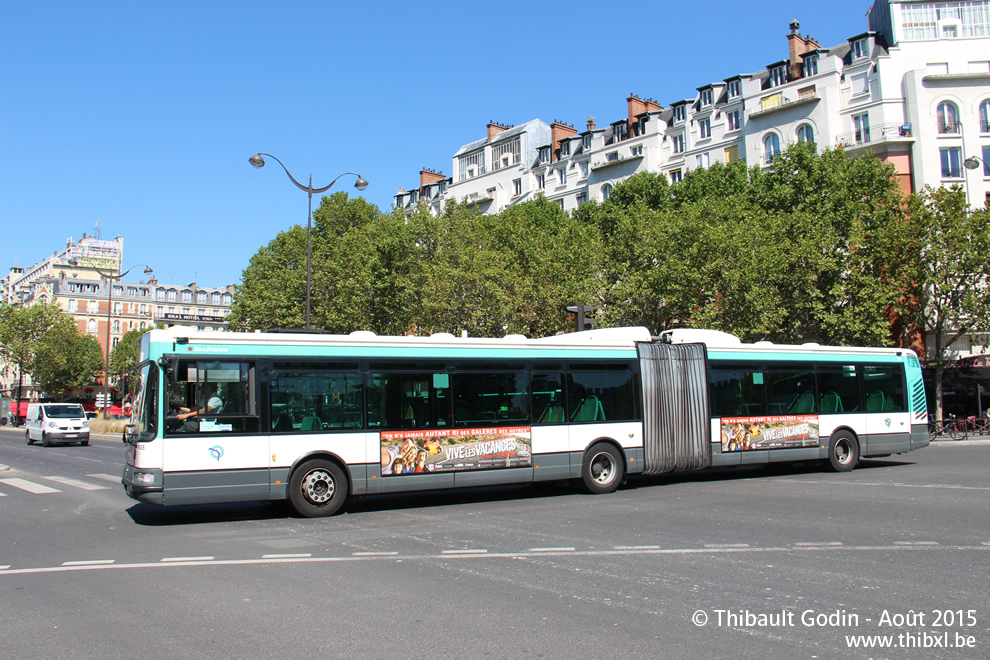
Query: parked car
[{"x": 56, "y": 422}]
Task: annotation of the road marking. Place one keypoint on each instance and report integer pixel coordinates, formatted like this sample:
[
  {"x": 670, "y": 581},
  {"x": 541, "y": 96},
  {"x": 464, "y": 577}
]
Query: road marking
[
  {"x": 726, "y": 545},
  {"x": 884, "y": 484},
  {"x": 636, "y": 547},
  {"x": 298, "y": 555},
  {"x": 91, "y": 562},
  {"x": 182, "y": 559},
  {"x": 106, "y": 477},
  {"x": 76, "y": 483},
  {"x": 3, "y": 494},
  {"x": 29, "y": 486},
  {"x": 463, "y": 552},
  {"x": 818, "y": 545},
  {"x": 915, "y": 543},
  {"x": 535, "y": 552}
]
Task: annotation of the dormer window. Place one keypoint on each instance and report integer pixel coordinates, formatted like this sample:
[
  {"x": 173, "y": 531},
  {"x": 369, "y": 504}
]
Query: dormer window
[
  {"x": 544, "y": 155},
  {"x": 735, "y": 89},
  {"x": 678, "y": 113},
  {"x": 860, "y": 49},
  {"x": 565, "y": 148},
  {"x": 586, "y": 142},
  {"x": 706, "y": 97},
  {"x": 778, "y": 75},
  {"x": 810, "y": 65}
]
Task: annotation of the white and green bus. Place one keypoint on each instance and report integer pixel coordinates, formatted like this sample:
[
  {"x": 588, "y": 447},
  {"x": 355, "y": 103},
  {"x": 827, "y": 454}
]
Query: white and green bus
[{"x": 315, "y": 419}]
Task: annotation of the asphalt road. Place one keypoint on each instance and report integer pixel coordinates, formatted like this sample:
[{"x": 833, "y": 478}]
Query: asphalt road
[{"x": 739, "y": 563}]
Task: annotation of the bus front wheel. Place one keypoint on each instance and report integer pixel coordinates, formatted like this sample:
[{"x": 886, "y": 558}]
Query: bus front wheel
[
  {"x": 317, "y": 488},
  {"x": 602, "y": 469},
  {"x": 843, "y": 451}
]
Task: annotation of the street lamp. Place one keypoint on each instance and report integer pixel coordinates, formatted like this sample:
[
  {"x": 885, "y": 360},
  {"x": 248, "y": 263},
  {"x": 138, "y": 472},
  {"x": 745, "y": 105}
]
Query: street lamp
[
  {"x": 973, "y": 162},
  {"x": 360, "y": 184},
  {"x": 106, "y": 362}
]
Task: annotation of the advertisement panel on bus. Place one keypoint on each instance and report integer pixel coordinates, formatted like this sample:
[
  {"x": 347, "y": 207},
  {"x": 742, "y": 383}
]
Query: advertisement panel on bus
[
  {"x": 455, "y": 450},
  {"x": 769, "y": 432}
]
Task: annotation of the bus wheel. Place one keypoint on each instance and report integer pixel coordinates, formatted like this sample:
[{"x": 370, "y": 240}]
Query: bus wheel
[
  {"x": 27, "y": 434},
  {"x": 843, "y": 452},
  {"x": 317, "y": 488},
  {"x": 602, "y": 469}
]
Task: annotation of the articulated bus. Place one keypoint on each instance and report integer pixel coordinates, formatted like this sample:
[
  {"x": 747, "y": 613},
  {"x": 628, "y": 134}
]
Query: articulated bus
[{"x": 315, "y": 419}]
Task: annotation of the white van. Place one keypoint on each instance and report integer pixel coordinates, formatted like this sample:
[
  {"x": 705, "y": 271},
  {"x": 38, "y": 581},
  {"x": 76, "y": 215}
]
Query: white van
[{"x": 56, "y": 422}]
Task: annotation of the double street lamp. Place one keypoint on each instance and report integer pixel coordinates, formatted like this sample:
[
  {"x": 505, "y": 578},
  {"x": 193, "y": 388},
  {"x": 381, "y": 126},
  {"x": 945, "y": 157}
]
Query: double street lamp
[
  {"x": 360, "y": 184},
  {"x": 106, "y": 362}
]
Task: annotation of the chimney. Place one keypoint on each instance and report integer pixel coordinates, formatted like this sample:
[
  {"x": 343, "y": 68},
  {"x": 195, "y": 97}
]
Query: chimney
[
  {"x": 638, "y": 106},
  {"x": 798, "y": 46},
  {"x": 494, "y": 128},
  {"x": 591, "y": 123},
  {"x": 558, "y": 131},
  {"x": 428, "y": 176}
]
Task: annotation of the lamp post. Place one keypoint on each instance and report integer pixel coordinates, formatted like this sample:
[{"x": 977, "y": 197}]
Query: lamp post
[
  {"x": 972, "y": 163},
  {"x": 360, "y": 184},
  {"x": 106, "y": 362}
]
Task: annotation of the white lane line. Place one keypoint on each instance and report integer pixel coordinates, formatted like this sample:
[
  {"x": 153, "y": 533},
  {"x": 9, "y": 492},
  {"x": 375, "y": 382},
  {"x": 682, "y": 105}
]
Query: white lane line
[
  {"x": 106, "y": 477},
  {"x": 3, "y": 494},
  {"x": 374, "y": 554},
  {"x": 636, "y": 547},
  {"x": 818, "y": 545},
  {"x": 552, "y": 550},
  {"x": 298, "y": 555},
  {"x": 76, "y": 483},
  {"x": 91, "y": 562},
  {"x": 915, "y": 543},
  {"x": 29, "y": 486},
  {"x": 3, "y": 568},
  {"x": 477, "y": 551},
  {"x": 726, "y": 545},
  {"x": 182, "y": 559}
]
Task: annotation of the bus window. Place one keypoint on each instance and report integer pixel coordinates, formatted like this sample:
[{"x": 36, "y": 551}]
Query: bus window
[
  {"x": 791, "y": 392},
  {"x": 736, "y": 393},
  {"x": 884, "y": 387},
  {"x": 491, "y": 399},
  {"x": 222, "y": 390},
  {"x": 838, "y": 389},
  {"x": 601, "y": 395},
  {"x": 408, "y": 400},
  {"x": 315, "y": 401},
  {"x": 548, "y": 398}
]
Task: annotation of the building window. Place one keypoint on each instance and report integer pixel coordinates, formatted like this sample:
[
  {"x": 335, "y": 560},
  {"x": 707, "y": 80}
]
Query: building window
[
  {"x": 951, "y": 162},
  {"x": 144, "y": 309},
  {"x": 771, "y": 147},
  {"x": 226, "y": 299},
  {"x": 810, "y": 65},
  {"x": 505, "y": 154},
  {"x": 706, "y": 97},
  {"x": 132, "y": 290},
  {"x": 860, "y": 49},
  {"x": 606, "y": 191},
  {"x": 778, "y": 76},
  {"x": 72, "y": 305},
  {"x": 732, "y": 120},
  {"x": 186, "y": 296},
  {"x": 93, "y": 306},
  {"x": 541, "y": 181},
  {"x": 201, "y": 297},
  {"x": 860, "y": 84},
  {"x": 565, "y": 148},
  {"x": 544, "y": 155},
  {"x": 116, "y": 308},
  {"x": 861, "y": 123},
  {"x": 517, "y": 186},
  {"x": 948, "y": 118},
  {"x": 562, "y": 176},
  {"x": 582, "y": 198},
  {"x": 470, "y": 165},
  {"x": 637, "y": 150},
  {"x": 612, "y": 156},
  {"x": 172, "y": 295},
  {"x": 584, "y": 170},
  {"x": 91, "y": 326},
  {"x": 705, "y": 128},
  {"x": 678, "y": 144},
  {"x": 560, "y": 203},
  {"x": 985, "y": 117},
  {"x": 586, "y": 142},
  {"x": 116, "y": 325},
  {"x": 731, "y": 154},
  {"x": 676, "y": 176},
  {"x": 702, "y": 160},
  {"x": 805, "y": 133},
  {"x": 620, "y": 132},
  {"x": 678, "y": 113},
  {"x": 735, "y": 89}
]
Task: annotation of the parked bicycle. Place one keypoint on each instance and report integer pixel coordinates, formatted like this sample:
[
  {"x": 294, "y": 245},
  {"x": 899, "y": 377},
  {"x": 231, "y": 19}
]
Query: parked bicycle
[{"x": 953, "y": 429}]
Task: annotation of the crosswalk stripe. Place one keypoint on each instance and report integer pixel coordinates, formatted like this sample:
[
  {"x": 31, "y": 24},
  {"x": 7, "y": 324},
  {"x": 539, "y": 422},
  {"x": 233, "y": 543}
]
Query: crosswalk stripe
[
  {"x": 75, "y": 482},
  {"x": 29, "y": 486},
  {"x": 114, "y": 478}
]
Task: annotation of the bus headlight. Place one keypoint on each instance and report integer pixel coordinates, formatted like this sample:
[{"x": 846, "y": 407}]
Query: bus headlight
[{"x": 144, "y": 478}]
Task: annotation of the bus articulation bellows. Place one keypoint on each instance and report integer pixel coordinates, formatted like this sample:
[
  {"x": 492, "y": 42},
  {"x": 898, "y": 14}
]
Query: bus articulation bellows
[{"x": 314, "y": 419}]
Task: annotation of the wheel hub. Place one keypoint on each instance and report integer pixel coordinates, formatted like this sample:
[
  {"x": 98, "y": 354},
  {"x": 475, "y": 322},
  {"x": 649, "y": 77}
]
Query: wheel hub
[{"x": 318, "y": 486}]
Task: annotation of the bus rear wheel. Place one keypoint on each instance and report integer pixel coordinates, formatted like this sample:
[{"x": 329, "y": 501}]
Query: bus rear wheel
[
  {"x": 317, "y": 488},
  {"x": 843, "y": 451},
  {"x": 602, "y": 469}
]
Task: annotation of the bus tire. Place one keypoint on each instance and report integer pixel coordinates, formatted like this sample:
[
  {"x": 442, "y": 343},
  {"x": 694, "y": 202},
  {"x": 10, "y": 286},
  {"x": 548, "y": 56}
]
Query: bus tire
[
  {"x": 317, "y": 488},
  {"x": 602, "y": 469},
  {"x": 843, "y": 451},
  {"x": 27, "y": 434}
]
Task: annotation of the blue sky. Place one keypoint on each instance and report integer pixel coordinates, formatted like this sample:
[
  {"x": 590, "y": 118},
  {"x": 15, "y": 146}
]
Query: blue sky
[{"x": 141, "y": 115}]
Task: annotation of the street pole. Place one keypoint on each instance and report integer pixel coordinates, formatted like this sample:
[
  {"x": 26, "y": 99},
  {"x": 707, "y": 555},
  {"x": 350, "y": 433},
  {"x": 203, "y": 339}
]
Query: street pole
[{"x": 258, "y": 162}]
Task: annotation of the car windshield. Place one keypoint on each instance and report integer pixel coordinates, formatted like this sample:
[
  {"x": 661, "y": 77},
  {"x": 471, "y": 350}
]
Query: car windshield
[{"x": 64, "y": 411}]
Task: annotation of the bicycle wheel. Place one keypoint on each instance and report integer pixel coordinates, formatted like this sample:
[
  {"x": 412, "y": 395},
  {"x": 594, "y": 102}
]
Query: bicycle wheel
[{"x": 957, "y": 430}]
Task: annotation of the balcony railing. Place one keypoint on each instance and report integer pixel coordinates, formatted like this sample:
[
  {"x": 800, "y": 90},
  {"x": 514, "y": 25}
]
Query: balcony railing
[
  {"x": 984, "y": 126},
  {"x": 949, "y": 128},
  {"x": 875, "y": 134}
]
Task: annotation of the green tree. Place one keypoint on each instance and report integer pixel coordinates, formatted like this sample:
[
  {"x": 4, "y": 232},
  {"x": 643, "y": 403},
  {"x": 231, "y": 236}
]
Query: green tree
[
  {"x": 65, "y": 358},
  {"x": 950, "y": 296},
  {"x": 21, "y": 330},
  {"x": 123, "y": 357}
]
